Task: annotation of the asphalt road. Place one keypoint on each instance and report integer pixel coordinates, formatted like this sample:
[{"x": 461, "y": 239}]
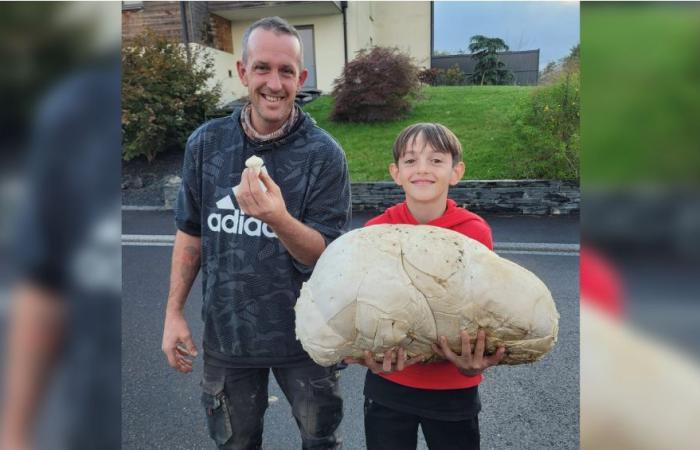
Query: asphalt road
[{"x": 524, "y": 407}]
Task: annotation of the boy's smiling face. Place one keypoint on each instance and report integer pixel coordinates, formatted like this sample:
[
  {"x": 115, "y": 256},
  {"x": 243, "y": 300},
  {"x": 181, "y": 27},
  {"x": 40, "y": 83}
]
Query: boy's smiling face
[{"x": 424, "y": 173}]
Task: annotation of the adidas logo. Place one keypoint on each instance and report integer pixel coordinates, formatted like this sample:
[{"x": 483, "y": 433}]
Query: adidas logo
[{"x": 236, "y": 222}]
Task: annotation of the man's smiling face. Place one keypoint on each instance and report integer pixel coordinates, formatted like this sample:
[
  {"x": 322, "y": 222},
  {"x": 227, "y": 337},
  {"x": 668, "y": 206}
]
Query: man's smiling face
[{"x": 272, "y": 75}]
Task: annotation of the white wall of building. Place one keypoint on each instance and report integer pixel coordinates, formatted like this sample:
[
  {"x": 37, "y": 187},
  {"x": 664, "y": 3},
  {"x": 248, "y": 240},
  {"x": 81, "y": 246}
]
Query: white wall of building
[
  {"x": 360, "y": 28},
  {"x": 405, "y": 25},
  {"x": 224, "y": 73}
]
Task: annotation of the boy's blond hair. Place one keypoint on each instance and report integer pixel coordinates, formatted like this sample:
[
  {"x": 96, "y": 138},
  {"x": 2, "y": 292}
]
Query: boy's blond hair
[{"x": 436, "y": 135}]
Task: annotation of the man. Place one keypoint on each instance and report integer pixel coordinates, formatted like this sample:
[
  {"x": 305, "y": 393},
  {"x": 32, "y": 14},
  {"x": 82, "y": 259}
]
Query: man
[
  {"x": 63, "y": 327},
  {"x": 256, "y": 244}
]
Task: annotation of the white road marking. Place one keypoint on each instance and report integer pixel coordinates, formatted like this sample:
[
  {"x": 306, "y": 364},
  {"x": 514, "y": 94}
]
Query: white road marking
[
  {"x": 145, "y": 208},
  {"x": 513, "y": 248}
]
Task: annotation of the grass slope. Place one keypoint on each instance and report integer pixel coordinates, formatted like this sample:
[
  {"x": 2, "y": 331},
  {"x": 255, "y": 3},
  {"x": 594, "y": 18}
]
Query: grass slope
[{"x": 479, "y": 115}]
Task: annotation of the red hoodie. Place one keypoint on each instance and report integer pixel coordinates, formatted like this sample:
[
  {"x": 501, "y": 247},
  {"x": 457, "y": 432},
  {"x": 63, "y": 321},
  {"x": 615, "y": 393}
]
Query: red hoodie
[
  {"x": 600, "y": 284},
  {"x": 440, "y": 375}
]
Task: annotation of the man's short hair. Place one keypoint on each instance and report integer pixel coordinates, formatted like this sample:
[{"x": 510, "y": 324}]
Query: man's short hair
[
  {"x": 436, "y": 135},
  {"x": 278, "y": 26}
]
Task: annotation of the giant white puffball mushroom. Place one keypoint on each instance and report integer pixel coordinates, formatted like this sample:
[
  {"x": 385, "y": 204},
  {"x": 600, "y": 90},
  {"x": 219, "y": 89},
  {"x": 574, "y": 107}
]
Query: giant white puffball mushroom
[
  {"x": 619, "y": 363},
  {"x": 390, "y": 286}
]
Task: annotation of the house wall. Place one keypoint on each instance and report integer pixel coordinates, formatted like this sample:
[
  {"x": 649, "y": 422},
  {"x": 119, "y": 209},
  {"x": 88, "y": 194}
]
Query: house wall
[
  {"x": 223, "y": 63},
  {"x": 359, "y": 25},
  {"x": 328, "y": 43},
  {"x": 402, "y": 24},
  {"x": 161, "y": 17},
  {"x": 165, "y": 19},
  {"x": 405, "y": 25}
]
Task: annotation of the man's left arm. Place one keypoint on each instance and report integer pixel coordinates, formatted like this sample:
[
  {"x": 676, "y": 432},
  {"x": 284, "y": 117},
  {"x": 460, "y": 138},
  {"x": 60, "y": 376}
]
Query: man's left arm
[
  {"x": 301, "y": 241},
  {"x": 325, "y": 218}
]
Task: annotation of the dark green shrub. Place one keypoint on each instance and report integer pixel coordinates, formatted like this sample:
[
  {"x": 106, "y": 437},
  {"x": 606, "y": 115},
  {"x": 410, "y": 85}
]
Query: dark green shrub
[
  {"x": 164, "y": 94},
  {"x": 549, "y": 132},
  {"x": 380, "y": 84},
  {"x": 454, "y": 76}
]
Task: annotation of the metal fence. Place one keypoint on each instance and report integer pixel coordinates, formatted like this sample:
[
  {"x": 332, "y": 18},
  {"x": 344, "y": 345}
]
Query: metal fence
[{"x": 523, "y": 64}]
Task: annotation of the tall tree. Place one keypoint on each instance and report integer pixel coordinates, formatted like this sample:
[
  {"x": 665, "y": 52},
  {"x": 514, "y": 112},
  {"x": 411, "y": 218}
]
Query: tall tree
[
  {"x": 489, "y": 69},
  {"x": 573, "y": 60}
]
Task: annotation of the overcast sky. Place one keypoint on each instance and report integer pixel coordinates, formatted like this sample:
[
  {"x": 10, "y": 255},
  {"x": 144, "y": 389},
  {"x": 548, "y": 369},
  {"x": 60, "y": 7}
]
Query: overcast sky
[{"x": 553, "y": 27}]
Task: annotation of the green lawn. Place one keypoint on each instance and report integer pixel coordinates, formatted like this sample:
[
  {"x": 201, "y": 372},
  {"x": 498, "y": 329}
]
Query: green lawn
[
  {"x": 640, "y": 116},
  {"x": 480, "y": 116}
]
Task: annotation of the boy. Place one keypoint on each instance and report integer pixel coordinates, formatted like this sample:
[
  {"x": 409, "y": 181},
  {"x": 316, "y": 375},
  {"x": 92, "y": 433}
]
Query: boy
[{"x": 442, "y": 397}]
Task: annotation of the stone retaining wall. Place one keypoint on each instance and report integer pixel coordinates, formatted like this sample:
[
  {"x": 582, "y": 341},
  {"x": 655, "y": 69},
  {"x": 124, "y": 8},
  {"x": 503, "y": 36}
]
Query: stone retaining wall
[{"x": 518, "y": 197}]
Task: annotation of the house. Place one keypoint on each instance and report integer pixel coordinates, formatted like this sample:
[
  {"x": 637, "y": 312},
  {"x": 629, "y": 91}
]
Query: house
[
  {"x": 331, "y": 31},
  {"x": 524, "y": 65}
]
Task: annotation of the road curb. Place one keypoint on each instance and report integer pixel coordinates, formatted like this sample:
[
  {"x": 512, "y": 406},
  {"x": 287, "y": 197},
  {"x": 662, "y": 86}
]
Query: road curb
[{"x": 536, "y": 247}]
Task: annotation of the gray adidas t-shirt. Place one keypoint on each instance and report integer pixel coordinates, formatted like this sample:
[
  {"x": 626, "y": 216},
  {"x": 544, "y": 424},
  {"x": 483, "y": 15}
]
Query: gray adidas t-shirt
[{"x": 250, "y": 282}]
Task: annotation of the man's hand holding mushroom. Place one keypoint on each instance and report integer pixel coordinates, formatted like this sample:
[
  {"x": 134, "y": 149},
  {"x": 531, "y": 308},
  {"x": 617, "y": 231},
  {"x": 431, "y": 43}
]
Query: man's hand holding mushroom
[{"x": 259, "y": 196}]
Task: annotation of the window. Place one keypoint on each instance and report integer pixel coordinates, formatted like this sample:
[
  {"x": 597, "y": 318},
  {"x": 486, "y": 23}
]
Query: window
[{"x": 307, "y": 41}]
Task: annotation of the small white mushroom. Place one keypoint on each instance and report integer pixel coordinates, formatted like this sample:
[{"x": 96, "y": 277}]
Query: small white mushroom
[{"x": 255, "y": 163}]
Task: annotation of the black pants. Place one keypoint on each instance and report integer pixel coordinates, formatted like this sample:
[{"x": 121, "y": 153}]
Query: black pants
[
  {"x": 388, "y": 429},
  {"x": 235, "y": 401}
]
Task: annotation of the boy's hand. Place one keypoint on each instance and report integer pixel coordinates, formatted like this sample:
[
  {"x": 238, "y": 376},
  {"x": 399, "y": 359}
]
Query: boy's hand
[
  {"x": 468, "y": 363},
  {"x": 387, "y": 365}
]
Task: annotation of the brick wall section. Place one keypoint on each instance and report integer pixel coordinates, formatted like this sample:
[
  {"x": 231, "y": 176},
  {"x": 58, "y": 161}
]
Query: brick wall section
[
  {"x": 221, "y": 28},
  {"x": 161, "y": 17},
  {"x": 518, "y": 197}
]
